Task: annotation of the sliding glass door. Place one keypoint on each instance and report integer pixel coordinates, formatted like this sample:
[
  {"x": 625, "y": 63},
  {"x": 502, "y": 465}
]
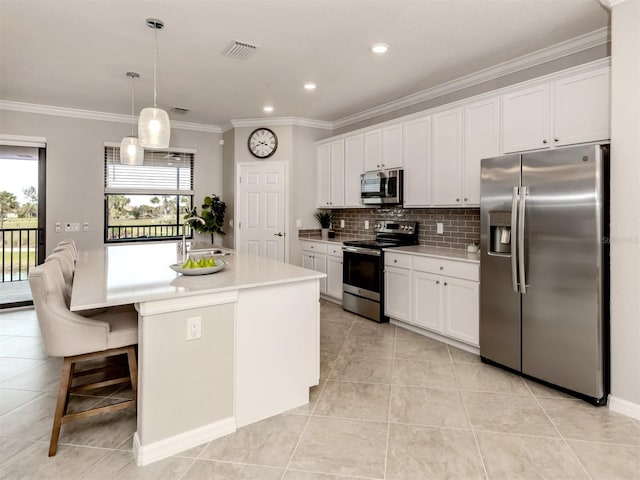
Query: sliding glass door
[{"x": 22, "y": 220}]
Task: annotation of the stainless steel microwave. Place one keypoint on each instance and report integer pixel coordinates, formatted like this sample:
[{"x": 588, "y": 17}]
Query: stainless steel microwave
[{"x": 381, "y": 187}]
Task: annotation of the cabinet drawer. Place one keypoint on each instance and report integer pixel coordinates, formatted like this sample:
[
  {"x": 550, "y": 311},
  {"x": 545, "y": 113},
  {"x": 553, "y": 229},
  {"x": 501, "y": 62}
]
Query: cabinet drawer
[
  {"x": 397, "y": 260},
  {"x": 469, "y": 271},
  {"x": 317, "y": 247},
  {"x": 335, "y": 250}
]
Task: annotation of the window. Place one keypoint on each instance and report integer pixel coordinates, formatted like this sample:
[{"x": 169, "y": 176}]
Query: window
[{"x": 148, "y": 201}]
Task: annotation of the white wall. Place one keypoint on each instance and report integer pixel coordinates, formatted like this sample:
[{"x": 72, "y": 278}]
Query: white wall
[
  {"x": 625, "y": 208},
  {"x": 75, "y": 167},
  {"x": 295, "y": 147}
]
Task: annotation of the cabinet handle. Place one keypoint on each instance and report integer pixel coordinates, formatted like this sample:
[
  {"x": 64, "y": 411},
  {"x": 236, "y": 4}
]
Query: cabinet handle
[
  {"x": 445, "y": 284},
  {"x": 441, "y": 268},
  {"x": 544, "y": 141},
  {"x": 437, "y": 282},
  {"x": 395, "y": 261},
  {"x": 557, "y": 139},
  {"x": 466, "y": 199},
  {"x": 457, "y": 199}
]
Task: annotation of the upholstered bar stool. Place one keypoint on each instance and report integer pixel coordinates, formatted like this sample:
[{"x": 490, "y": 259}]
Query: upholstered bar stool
[
  {"x": 72, "y": 243},
  {"x": 78, "y": 339},
  {"x": 67, "y": 268}
]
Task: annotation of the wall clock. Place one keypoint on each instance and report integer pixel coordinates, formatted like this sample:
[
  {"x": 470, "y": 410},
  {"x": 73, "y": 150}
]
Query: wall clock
[{"x": 262, "y": 143}]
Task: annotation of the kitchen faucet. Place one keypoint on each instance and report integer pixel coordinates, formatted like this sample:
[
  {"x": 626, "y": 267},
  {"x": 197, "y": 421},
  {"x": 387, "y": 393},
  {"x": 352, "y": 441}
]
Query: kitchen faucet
[{"x": 184, "y": 235}]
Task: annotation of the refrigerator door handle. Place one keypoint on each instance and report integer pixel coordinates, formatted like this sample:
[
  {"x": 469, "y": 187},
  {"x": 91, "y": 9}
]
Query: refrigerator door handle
[
  {"x": 524, "y": 191},
  {"x": 514, "y": 236}
]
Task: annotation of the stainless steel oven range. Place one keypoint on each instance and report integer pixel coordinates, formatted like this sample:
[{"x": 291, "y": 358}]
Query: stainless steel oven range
[{"x": 363, "y": 267}]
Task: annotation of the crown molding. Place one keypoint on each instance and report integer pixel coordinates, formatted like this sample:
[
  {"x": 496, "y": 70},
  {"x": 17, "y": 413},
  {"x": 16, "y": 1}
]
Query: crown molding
[
  {"x": 608, "y": 4},
  {"x": 275, "y": 121},
  {"x": 562, "y": 49},
  {"x": 95, "y": 115}
]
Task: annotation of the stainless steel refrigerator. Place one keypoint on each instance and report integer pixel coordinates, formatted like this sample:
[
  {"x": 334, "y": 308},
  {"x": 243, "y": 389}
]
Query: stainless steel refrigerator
[{"x": 544, "y": 266}]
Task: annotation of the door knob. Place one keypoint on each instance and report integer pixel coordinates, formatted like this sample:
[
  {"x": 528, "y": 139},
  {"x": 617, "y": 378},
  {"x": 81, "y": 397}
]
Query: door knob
[{"x": 280, "y": 234}]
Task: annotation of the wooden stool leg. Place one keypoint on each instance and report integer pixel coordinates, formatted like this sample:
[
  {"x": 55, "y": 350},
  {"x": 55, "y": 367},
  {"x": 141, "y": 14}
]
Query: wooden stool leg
[
  {"x": 133, "y": 371},
  {"x": 61, "y": 405}
]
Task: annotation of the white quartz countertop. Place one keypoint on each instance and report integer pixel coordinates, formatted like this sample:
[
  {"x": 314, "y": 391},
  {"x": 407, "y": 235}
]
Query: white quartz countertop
[
  {"x": 438, "y": 252},
  {"x": 331, "y": 241},
  {"x": 125, "y": 274}
]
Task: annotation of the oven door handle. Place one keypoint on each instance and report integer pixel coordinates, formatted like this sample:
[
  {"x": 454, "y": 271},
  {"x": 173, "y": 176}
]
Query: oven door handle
[{"x": 363, "y": 251}]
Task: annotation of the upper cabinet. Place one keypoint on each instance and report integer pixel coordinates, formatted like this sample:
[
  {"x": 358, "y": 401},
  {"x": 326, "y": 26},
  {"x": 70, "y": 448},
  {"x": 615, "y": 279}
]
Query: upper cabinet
[
  {"x": 481, "y": 140},
  {"x": 330, "y": 174},
  {"x": 525, "y": 119},
  {"x": 383, "y": 148},
  {"x": 353, "y": 168},
  {"x": 417, "y": 161},
  {"x": 440, "y": 150},
  {"x": 446, "y": 157},
  {"x": 570, "y": 110},
  {"x": 581, "y": 108},
  {"x": 373, "y": 150}
]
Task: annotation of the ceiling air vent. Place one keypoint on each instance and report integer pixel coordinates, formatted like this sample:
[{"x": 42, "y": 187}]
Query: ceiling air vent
[
  {"x": 179, "y": 110},
  {"x": 240, "y": 50}
]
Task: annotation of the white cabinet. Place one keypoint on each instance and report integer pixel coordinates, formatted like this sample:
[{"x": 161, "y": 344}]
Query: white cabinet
[
  {"x": 426, "y": 291},
  {"x": 581, "y": 108},
  {"x": 330, "y": 171},
  {"x": 481, "y": 140},
  {"x": 353, "y": 168},
  {"x": 417, "y": 161},
  {"x": 571, "y": 110},
  {"x": 461, "y": 309},
  {"x": 397, "y": 283},
  {"x": 525, "y": 119},
  {"x": 325, "y": 258},
  {"x": 392, "y": 146},
  {"x": 383, "y": 148},
  {"x": 435, "y": 294},
  {"x": 446, "y": 157},
  {"x": 373, "y": 150}
]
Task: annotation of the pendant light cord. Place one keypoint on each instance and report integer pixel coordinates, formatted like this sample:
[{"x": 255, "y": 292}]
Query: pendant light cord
[
  {"x": 155, "y": 67},
  {"x": 133, "y": 100}
]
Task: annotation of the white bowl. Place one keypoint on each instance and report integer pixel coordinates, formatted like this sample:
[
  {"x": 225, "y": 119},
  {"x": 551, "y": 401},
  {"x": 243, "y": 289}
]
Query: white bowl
[{"x": 220, "y": 265}]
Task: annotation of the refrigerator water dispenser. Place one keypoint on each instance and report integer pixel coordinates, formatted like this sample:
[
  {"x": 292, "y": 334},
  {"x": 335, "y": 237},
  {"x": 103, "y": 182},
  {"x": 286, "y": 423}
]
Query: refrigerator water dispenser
[{"x": 500, "y": 231}]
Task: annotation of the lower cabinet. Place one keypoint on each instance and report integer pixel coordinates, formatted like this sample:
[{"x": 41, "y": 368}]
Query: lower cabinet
[
  {"x": 434, "y": 294},
  {"x": 325, "y": 258}
]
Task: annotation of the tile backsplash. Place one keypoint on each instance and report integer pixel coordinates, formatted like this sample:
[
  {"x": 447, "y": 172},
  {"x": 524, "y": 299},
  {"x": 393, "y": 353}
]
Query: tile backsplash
[{"x": 461, "y": 225}]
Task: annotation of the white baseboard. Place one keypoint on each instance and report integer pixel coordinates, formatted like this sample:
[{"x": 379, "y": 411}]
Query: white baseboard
[
  {"x": 624, "y": 407},
  {"x": 153, "y": 452}
]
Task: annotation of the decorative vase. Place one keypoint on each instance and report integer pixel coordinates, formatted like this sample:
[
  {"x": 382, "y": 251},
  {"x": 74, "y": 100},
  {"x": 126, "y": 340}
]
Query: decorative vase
[{"x": 325, "y": 233}]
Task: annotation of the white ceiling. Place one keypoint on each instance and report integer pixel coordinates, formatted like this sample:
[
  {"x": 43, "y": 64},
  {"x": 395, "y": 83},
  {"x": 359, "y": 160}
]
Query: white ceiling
[{"x": 74, "y": 53}]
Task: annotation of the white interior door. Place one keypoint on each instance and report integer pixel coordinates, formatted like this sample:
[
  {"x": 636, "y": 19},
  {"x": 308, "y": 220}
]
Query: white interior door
[{"x": 262, "y": 209}]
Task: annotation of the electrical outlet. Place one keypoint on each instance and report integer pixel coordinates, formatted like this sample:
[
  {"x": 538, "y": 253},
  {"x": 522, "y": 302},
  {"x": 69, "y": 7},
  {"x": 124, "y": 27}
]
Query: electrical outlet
[
  {"x": 298, "y": 223},
  {"x": 58, "y": 227},
  {"x": 366, "y": 224},
  {"x": 194, "y": 328},
  {"x": 85, "y": 227},
  {"x": 439, "y": 228},
  {"x": 71, "y": 227},
  {"x": 341, "y": 223}
]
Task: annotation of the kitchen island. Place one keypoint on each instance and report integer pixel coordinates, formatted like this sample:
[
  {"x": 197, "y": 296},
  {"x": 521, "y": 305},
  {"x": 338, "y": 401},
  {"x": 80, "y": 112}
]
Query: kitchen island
[{"x": 256, "y": 354}]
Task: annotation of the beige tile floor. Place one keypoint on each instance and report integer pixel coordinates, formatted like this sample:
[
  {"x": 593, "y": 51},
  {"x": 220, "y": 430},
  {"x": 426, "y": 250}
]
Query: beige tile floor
[{"x": 390, "y": 405}]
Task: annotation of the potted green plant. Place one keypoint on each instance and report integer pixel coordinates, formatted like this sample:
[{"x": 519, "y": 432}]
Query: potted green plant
[
  {"x": 212, "y": 212},
  {"x": 324, "y": 217}
]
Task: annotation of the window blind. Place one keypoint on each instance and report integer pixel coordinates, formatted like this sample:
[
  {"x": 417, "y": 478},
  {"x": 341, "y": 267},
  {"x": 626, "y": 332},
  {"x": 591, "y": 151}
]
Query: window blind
[{"x": 162, "y": 173}]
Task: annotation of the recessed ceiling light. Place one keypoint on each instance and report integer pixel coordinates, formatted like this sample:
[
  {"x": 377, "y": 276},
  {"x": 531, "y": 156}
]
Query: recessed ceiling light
[
  {"x": 267, "y": 108},
  {"x": 310, "y": 86},
  {"x": 379, "y": 48}
]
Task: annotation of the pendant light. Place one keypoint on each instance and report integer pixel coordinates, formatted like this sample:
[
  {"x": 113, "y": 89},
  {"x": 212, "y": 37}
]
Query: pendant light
[
  {"x": 131, "y": 153},
  {"x": 154, "y": 129}
]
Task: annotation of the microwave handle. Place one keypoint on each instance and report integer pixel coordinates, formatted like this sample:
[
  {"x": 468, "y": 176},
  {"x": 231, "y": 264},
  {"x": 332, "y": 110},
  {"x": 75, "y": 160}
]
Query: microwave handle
[{"x": 387, "y": 181}]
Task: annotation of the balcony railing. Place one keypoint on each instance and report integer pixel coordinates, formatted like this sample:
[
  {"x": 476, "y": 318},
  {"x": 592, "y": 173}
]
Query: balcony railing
[
  {"x": 128, "y": 233},
  {"x": 20, "y": 252}
]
